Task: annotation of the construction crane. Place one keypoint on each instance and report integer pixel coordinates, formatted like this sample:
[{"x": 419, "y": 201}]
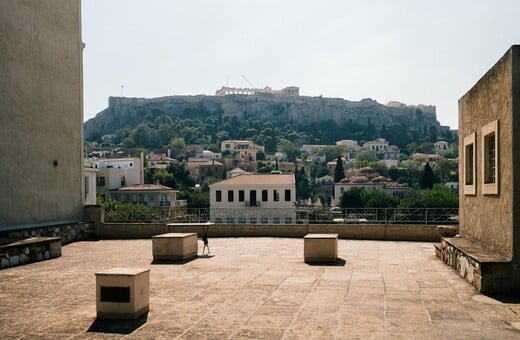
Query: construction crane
[{"x": 247, "y": 80}]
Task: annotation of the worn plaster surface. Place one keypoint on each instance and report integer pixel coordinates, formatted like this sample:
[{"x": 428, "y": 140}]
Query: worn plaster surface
[{"x": 257, "y": 288}]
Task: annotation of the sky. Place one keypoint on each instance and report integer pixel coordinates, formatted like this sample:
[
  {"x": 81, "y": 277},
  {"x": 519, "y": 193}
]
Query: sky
[{"x": 415, "y": 52}]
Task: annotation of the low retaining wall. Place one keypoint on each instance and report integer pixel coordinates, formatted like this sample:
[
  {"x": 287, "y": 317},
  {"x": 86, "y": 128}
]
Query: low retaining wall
[
  {"x": 393, "y": 232},
  {"x": 29, "y": 250},
  {"x": 106, "y": 231},
  {"x": 68, "y": 231}
]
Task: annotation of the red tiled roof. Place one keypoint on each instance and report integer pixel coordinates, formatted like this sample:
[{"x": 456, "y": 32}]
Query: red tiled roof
[
  {"x": 263, "y": 179},
  {"x": 145, "y": 187}
]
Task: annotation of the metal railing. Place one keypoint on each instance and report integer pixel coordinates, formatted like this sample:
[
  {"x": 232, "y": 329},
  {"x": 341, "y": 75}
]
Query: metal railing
[{"x": 303, "y": 215}]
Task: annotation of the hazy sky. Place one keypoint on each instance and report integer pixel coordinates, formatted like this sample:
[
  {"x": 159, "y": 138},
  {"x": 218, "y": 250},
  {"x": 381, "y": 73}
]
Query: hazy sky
[{"x": 415, "y": 52}]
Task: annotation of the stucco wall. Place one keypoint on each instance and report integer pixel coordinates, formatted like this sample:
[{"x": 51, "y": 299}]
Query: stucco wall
[
  {"x": 40, "y": 111},
  {"x": 489, "y": 218}
]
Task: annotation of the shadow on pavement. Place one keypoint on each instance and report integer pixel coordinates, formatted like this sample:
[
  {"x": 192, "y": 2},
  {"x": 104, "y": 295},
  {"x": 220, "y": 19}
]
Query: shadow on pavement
[
  {"x": 117, "y": 326},
  {"x": 338, "y": 263}
]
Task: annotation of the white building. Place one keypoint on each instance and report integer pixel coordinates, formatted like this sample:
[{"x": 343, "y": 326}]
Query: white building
[
  {"x": 441, "y": 146},
  {"x": 117, "y": 173},
  {"x": 349, "y": 144},
  {"x": 310, "y": 148},
  {"x": 152, "y": 195},
  {"x": 254, "y": 199},
  {"x": 246, "y": 149},
  {"x": 379, "y": 145}
]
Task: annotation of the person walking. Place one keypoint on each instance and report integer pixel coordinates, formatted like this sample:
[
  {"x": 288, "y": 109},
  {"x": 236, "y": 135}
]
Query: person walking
[{"x": 205, "y": 240}]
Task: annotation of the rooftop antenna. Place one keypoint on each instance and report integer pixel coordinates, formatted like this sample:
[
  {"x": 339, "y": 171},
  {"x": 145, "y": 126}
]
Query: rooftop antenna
[{"x": 122, "y": 87}]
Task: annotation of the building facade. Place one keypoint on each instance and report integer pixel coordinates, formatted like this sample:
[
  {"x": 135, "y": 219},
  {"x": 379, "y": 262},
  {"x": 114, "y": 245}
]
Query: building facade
[
  {"x": 254, "y": 199},
  {"x": 41, "y": 112},
  {"x": 245, "y": 149}
]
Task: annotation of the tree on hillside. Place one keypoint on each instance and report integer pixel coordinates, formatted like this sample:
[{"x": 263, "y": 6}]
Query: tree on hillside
[
  {"x": 364, "y": 158},
  {"x": 339, "y": 172},
  {"x": 427, "y": 177}
]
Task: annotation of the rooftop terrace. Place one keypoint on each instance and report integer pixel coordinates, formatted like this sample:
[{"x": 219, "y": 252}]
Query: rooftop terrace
[{"x": 257, "y": 288}]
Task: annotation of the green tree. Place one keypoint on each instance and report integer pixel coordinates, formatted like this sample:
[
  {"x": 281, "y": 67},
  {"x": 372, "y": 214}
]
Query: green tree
[
  {"x": 339, "y": 172},
  {"x": 439, "y": 196},
  {"x": 427, "y": 177},
  {"x": 364, "y": 158},
  {"x": 378, "y": 198},
  {"x": 331, "y": 151},
  {"x": 289, "y": 149},
  {"x": 352, "y": 198},
  {"x": 443, "y": 169},
  {"x": 302, "y": 184}
]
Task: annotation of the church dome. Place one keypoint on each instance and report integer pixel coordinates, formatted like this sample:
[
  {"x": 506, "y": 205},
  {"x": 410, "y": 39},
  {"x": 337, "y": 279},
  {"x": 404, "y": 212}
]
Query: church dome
[{"x": 359, "y": 179}]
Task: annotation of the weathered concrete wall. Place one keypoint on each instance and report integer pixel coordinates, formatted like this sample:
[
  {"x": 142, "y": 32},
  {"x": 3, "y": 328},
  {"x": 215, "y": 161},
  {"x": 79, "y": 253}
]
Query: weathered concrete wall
[
  {"x": 489, "y": 218},
  {"x": 354, "y": 231},
  {"x": 67, "y": 232},
  {"x": 40, "y": 111}
]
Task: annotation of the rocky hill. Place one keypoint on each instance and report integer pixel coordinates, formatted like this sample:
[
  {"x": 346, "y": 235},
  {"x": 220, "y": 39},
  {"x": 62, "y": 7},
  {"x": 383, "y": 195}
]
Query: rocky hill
[{"x": 297, "y": 111}]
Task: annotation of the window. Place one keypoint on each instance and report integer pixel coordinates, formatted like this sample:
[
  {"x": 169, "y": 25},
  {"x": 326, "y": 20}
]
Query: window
[
  {"x": 276, "y": 195},
  {"x": 469, "y": 165},
  {"x": 252, "y": 198},
  {"x": 490, "y": 158},
  {"x": 287, "y": 195},
  {"x": 252, "y": 220},
  {"x": 264, "y": 195},
  {"x": 241, "y": 196},
  {"x": 230, "y": 196},
  {"x": 101, "y": 181},
  {"x": 276, "y": 220},
  {"x": 218, "y": 197},
  {"x": 288, "y": 220},
  {"x": 264, "y": 220}
]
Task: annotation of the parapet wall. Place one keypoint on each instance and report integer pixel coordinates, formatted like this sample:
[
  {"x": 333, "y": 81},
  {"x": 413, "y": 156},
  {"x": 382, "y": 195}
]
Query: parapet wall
[{"x": 355, "y": 231}]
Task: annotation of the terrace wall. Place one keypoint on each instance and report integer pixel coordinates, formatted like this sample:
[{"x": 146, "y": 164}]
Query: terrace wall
[{"x": 352, "y": 231}]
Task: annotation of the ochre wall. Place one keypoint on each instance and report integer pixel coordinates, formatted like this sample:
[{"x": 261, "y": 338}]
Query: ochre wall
[
  {"x": 41, "y": 115},
  {"x": 489, "y": 218}
]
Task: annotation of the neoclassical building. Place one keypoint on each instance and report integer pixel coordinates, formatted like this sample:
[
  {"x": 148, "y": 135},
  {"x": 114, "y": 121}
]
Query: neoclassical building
[{"x": 254, "y": 199}]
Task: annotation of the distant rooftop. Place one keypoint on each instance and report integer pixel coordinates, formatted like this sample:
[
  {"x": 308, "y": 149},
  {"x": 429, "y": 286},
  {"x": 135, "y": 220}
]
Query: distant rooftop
[{"x": 261, "y": 179}]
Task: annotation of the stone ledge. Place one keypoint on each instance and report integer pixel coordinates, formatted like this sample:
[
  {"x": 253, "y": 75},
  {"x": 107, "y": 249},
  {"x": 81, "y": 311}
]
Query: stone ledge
[
  {"x": 488, "y": 271},
  {"x": 29, "y": 250}
]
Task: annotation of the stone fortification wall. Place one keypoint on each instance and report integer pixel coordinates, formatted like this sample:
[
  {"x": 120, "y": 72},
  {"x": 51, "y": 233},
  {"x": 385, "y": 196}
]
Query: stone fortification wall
[{"x": 302, "y": 109}]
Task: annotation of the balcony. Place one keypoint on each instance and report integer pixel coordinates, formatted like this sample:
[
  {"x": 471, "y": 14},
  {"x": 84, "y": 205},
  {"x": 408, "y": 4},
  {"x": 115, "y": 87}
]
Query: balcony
[{"x": 252, "y": 203}]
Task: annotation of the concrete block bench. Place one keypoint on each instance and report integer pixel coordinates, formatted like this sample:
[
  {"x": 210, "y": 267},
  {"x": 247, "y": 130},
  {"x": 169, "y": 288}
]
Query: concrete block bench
[
  {"x": 320, "y": 248},
  {"x": 174, "y": 246},
  {"x": 122, "y": 293},
  {"x": 488, "y": 271}
]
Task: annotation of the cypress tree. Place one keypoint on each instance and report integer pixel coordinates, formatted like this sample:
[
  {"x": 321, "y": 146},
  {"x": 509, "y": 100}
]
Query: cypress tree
[
  {"x": 339, "y": 172},
  {"x": 427, "y": 177}
]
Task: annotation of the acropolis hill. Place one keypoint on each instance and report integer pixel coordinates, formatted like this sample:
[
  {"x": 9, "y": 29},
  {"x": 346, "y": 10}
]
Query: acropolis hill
[{"x": 285, "y": 107}]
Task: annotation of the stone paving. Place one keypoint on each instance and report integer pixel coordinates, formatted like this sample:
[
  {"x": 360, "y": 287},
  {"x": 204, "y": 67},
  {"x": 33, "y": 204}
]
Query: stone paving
[{"x": 257, "y": 288}]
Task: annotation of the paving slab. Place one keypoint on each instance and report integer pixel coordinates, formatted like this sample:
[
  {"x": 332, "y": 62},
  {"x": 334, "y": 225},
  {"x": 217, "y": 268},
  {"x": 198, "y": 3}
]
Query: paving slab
[{"x": 257, "y": 288}]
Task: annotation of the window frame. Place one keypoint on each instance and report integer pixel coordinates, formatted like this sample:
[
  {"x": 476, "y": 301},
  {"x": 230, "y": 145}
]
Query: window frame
[
  {"x": 218, "y": 196},
  {"x": 490, "y": 130},
  {"x": 470, "y": 188}
]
